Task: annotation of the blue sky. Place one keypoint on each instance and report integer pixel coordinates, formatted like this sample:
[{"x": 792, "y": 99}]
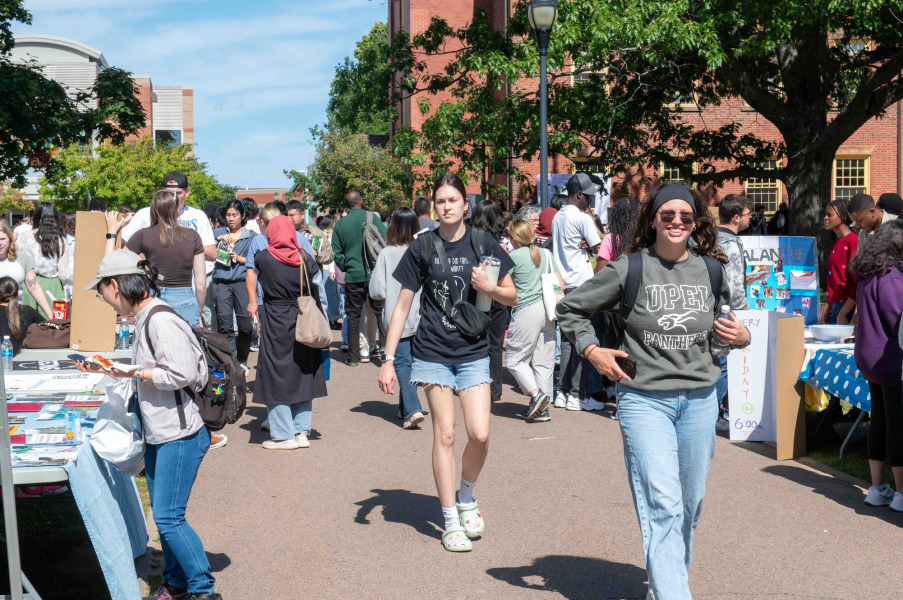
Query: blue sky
[{"x": 260, "y": 70}]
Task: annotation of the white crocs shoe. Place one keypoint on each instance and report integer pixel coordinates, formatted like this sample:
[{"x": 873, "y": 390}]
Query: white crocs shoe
[{"x": 471, "y": 519}]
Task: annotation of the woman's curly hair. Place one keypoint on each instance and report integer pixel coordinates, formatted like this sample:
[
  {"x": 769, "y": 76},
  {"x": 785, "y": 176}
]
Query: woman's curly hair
[{"x": 703, "y": 240}]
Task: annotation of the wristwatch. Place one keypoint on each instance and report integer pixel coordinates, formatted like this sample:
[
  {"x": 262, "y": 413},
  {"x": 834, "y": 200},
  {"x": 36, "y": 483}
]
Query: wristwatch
[
  {"x": 111, "y": 236},
  {"x": 387, "y": 357}
]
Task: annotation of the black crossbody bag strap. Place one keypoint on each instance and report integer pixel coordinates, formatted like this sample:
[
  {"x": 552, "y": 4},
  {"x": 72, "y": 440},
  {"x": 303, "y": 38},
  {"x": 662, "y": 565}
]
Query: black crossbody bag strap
[{"x": 446, "y": 270}]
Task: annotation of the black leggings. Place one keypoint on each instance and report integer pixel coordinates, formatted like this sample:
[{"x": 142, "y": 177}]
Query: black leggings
[{"x": 885, "y": 442}]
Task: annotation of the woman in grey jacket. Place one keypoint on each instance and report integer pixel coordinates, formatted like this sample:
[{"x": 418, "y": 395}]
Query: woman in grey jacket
[
  {"x": 667, "y": 408},
  {"x": 403, "y": 226},
  {"x": 176, "y": 440}
]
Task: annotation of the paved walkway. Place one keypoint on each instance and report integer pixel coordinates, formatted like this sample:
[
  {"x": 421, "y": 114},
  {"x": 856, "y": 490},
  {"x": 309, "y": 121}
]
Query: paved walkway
[{"x": 356, "y": 514}]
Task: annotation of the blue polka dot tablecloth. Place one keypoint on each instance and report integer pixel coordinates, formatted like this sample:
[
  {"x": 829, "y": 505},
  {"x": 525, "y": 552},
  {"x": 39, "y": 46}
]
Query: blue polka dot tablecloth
[{"x": 835, "y": 372}]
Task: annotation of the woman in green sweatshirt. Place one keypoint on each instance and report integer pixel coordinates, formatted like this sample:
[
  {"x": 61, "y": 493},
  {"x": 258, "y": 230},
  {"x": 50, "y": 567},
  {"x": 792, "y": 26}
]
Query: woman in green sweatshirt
[{"x": 668, "y": 408}]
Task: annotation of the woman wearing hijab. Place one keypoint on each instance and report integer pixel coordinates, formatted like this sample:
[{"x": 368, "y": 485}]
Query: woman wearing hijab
[{"x": 289, "y": 374}]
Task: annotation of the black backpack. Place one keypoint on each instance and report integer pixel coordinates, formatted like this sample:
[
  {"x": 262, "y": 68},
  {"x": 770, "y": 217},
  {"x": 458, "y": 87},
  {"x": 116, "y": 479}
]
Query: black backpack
[{"x": 224, "y": 397}]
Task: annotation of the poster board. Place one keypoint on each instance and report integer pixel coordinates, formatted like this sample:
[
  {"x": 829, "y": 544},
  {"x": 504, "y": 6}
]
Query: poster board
[
  {"x": 782, "y": 275},
  {"x": 93, "y": 320},
  {"x": 764, "y": 405}
]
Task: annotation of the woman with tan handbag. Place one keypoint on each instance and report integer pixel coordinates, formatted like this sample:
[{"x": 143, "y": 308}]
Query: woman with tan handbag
[{"x": 289, "y": 374}]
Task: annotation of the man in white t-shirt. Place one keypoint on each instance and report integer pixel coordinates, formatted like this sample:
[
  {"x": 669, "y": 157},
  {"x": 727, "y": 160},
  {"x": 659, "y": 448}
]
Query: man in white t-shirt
[
  {"x": 574, "y": 240},
  {"x": 188, "y": 217}
]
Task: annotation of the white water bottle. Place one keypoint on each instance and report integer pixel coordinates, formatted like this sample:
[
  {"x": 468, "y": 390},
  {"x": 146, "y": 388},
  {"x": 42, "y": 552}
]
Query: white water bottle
[
  {"x": 6, "y": 351},
  {"x": 124, "y": 335}
]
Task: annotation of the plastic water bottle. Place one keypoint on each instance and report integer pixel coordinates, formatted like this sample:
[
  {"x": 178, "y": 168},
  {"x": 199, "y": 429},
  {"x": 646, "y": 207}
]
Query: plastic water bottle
[
  {"x": 725, "y": 313},
  {"x": 6, "y": 351},
  {"x": 124, "y": 335}
]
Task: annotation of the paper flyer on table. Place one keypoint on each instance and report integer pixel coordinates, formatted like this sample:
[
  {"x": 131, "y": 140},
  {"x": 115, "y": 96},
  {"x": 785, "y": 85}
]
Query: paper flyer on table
[{"x": 74, "y": 382}]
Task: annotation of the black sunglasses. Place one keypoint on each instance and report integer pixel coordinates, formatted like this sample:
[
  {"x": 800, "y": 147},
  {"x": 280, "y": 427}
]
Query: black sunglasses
[{"x": 687, "y": 218}]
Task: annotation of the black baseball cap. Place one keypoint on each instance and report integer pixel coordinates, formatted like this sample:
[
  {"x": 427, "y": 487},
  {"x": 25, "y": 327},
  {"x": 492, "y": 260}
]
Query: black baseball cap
[
  {"x": 179, "y": 178},
  {"x": 581, "y": 182}
]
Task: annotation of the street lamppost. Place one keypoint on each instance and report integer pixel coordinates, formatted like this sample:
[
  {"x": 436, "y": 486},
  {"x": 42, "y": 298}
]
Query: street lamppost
[{"x": 542, "y": 15}]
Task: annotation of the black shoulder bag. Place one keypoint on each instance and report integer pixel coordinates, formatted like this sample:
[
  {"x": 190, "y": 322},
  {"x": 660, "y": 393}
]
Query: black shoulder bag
[{"x": 471, "y": 322}]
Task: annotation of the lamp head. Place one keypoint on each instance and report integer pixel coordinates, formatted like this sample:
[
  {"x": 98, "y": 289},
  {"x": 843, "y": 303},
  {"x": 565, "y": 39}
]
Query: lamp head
[{"x": 542, "y": 13}]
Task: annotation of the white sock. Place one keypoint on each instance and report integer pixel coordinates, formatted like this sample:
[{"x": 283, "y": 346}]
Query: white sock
[
  {"x": 465, "y": 492},
  {"x": 451, "y": 517}
]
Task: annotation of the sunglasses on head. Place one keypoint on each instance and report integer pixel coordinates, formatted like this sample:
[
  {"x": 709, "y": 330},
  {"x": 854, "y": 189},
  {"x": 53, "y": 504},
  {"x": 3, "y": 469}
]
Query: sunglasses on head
[{"x": 687, "y": 218}]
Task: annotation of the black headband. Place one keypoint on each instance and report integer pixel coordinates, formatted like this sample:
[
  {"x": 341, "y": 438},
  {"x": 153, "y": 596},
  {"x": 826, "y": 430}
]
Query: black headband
[{"x": 673, "y": 191}]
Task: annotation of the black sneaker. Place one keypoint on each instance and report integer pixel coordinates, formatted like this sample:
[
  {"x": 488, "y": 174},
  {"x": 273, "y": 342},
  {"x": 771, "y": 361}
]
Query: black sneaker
[
  {"x": 543, "y": 416},
  {"x": 538, "y": 403},
  {"x": 211, "y": 596},
  {"x": 351, "y": 363},
  {"x": 167, "y": 592}
]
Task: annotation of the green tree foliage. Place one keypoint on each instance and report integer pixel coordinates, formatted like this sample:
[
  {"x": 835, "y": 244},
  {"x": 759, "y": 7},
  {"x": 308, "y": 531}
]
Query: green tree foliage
[
  {"x": 36, "y": 114},
  {"x": 346, "y": 162},
  {"x": 359, "y": 95},
  {"x": 126, "y": 174},
  {"x": 798, "y": 64},
  {"x": 11, "y": 198}
]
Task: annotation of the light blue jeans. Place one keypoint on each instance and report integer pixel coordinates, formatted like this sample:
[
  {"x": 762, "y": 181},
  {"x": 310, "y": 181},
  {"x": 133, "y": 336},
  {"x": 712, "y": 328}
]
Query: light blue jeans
[
  {"x": 183, "y": 301},
  {"x": 669, "y": 441},
  {"x": 286, "y": 420},
  {"x": 171, "y": 469}
]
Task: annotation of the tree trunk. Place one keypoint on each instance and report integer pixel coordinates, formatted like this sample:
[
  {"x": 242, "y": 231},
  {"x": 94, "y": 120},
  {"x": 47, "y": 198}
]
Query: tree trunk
[{"x": 809, "y": 191}]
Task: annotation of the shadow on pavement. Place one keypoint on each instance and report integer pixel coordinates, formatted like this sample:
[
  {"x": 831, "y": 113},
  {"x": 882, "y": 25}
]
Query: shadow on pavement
[
  {"x": 218, "y": 561},
  {"x": 837, "y": 490},
  {"x": 577, "y": 577},
  {"x": 510, "y": 410},
  {"x": 376, "y": 408},
  {"x": 402, "y": 506}
]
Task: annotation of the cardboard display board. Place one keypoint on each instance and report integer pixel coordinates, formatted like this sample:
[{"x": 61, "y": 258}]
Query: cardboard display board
[
  {"x": 93, "y": 320},
  {"x": 782, "y": 275},
  {"x": 764, "y": 405}
]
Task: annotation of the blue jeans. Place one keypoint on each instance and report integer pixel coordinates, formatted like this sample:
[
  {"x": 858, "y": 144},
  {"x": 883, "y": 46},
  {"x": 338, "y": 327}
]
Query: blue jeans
[
  {"x": 332, "y": 294},
  {"x": 341, "y": 289},
  {"x": 457, "y": 377},
  {"x": 171, "y": 468},
  {"x": 183, "y": 301},
  {"x": 669, "y": 441},
  {"x": 286, "y": 420},
  {"x": 408, "y": 400}
]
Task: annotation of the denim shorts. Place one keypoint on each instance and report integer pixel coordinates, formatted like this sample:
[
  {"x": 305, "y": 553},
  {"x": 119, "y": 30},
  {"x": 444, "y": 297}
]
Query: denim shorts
[{"x": 458, "y": 377}]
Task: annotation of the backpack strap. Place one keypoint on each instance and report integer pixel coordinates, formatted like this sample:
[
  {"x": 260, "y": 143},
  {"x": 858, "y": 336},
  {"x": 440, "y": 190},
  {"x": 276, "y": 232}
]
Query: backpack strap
[
  {"x": 633, "y": 283},
  {"x": 183, "y": 422},
  {"x": 426, "y": 248},
  {"x": 716, "y": 277},
  {"x": 477, "y": 243}
]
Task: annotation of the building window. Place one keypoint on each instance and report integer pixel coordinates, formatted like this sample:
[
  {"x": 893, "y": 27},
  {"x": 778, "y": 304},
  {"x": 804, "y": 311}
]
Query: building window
[
  {"x": 677, "y": 172},
  {"x": 168, "y": 136},
  {"x": 764, "y": 191},
  {"x": 851, "y": 177}
]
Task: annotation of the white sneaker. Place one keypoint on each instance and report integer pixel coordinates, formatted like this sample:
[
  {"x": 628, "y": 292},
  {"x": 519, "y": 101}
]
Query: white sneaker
[
  {"x": 365, "y": 355},
  {"x": 560, "y": 400},
  {"x": 589, "y": 403},
  {"x": 880, "y": 495},
  {"x": 573, "y": 402},
  {"x": 897, "y": 504}
]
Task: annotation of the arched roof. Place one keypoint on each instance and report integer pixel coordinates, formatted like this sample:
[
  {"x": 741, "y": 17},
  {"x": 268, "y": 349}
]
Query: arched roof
[{"x": 67, "y": 45}]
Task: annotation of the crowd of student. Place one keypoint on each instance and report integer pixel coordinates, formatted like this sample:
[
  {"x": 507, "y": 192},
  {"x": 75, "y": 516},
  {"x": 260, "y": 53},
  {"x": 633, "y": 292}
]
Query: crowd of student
[{"x": 402, "y": 287}]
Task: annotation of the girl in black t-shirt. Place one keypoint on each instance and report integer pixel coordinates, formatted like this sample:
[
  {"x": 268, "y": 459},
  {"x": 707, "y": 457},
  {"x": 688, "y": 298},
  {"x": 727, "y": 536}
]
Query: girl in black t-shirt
[{"x": 445, "y": 362}]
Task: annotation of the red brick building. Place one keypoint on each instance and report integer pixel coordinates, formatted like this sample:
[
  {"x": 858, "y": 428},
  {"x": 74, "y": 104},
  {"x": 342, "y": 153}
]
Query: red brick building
[{"x": 867, "y": 162}]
